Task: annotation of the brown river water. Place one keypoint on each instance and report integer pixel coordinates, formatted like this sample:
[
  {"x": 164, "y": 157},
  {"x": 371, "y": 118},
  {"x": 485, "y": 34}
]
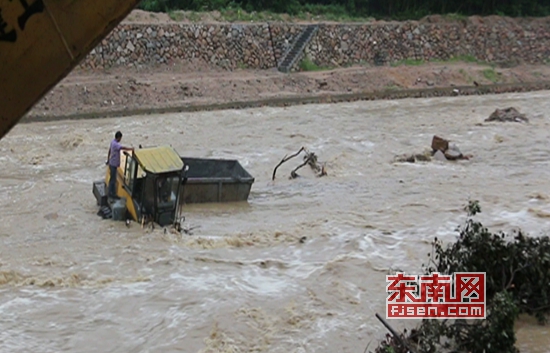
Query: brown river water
[{"x": 243, "y": 282}]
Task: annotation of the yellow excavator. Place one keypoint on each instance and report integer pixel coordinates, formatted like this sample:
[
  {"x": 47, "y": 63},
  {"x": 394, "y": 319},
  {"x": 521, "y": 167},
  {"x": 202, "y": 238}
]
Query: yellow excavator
[{"x": 41, "y": 41}]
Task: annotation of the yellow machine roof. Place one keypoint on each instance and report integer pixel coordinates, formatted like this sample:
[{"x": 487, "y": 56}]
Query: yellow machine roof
[{"x": 160, "y": 159}]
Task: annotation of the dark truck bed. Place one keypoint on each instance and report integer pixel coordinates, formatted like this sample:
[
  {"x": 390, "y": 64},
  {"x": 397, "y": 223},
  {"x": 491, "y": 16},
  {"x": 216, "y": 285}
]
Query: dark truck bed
[{"x": 215, "y": 180}]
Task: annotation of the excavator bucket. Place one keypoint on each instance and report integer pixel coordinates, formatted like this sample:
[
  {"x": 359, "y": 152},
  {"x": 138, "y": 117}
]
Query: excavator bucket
[{"x": 41, "y": 41}]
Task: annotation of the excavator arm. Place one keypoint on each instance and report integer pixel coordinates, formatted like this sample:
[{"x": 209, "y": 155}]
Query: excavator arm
[{"x": 41, "y": 41}]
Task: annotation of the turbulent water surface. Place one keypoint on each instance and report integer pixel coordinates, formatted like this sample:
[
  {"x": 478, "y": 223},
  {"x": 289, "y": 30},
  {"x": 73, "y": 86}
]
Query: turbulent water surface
[{"x": 243, "y": 281}]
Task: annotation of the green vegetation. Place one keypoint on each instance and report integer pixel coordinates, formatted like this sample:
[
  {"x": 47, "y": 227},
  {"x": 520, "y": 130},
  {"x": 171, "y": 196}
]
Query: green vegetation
[
  {"x": 351, "y": 10},
  {"x": 408, "y": 62},
  {"x": 238, "y": 15},
  {"x": 491, "y": 75},
  {"x": 517, "y": 271},
  {"x": 455, "y": 16},
  {"x": 454, "y": 59},
  {"x": 392, "y": 87},
  {"x": 176, "y": 15},
  {"x": 307, "y": 65},
  {"x": 465, "y": 59}
]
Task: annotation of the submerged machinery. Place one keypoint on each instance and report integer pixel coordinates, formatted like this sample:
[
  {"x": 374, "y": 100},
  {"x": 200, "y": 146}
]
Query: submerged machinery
[
  {"x": 148, "y": 186},
  {"x": 154, "y": 183}
]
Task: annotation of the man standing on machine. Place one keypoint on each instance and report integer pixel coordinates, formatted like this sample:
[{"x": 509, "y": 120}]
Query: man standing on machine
[{"x": 113, "y": 160}]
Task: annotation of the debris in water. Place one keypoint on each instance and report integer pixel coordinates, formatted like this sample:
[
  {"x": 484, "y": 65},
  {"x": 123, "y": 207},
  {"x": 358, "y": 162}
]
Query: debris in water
[
  {"x": 454, "y": 153},
  {"x": 310, "y": 158},
  {"x": 508, "y": 115},
  {"x": 440, "y": 144},
  {"x": 449, "y": 150},
  {"x": 442, "y": 150},
  {"x": 412, "y": 158}
]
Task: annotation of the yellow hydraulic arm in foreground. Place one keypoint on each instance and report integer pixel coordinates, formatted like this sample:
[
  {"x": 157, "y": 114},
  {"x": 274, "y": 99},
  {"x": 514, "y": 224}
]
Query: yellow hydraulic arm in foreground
[{"x": 41, "y": 41}]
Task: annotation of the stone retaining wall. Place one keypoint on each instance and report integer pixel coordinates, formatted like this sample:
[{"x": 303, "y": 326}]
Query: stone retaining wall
[
  {"x": 262, "y": 46},
  {"x": 228, "y": 46}
]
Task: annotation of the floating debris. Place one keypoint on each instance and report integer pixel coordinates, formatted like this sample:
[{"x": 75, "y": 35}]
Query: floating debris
[
  {"x": 449, "y": 150},
  {"x": 309, "y": 159},
  {"x": 508, "y": 115},
  {"x": 442, "y": 150}
]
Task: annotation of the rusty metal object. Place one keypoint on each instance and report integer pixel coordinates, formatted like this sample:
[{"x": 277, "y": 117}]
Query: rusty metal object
[{"x": 439, "y": 144}]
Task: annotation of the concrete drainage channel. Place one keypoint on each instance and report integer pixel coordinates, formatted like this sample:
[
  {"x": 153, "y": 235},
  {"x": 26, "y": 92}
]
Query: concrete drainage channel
[
  {"x": 312, "y": 99},
  {"x": 296, "y": 51}
]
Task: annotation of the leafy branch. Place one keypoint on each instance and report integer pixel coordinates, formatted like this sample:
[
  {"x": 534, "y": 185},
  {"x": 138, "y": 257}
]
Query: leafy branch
[{"x": 517, "y": 271}]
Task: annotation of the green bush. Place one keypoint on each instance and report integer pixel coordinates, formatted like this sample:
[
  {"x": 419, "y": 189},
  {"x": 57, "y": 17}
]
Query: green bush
[
  {"x": 514, "y": 263},
  {"x": 517, "y": 271}
]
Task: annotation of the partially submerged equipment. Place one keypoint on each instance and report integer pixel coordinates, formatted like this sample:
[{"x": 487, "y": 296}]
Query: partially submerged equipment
[
  {"x": 154, "y": 183},
  {"x": 149, "y": 180},
  {"x": 215, "y": 180}
]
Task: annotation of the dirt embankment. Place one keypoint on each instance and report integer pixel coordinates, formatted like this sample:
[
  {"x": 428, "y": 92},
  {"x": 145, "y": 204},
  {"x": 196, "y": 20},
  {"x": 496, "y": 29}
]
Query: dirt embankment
[{"x": 197, "y": 85}]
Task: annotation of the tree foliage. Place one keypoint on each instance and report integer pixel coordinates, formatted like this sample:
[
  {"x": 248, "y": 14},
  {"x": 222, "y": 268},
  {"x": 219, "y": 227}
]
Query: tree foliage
[
  {"x": 389, "y": 9},
  {"x": 517, "y": 271},
  {"x": 514, "y": 263}
]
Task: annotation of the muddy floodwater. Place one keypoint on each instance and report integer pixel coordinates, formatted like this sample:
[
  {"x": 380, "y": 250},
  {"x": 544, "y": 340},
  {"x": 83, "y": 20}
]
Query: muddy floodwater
[{"x": 243, "y": 281}]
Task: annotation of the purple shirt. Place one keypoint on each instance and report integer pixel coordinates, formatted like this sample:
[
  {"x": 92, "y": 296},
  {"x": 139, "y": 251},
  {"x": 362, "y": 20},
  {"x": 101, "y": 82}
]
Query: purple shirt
[{"x": 114, "y": 159}]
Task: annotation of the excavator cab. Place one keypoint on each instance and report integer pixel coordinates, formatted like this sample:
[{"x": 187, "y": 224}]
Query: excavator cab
[{"x": 149, "y": 180}]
